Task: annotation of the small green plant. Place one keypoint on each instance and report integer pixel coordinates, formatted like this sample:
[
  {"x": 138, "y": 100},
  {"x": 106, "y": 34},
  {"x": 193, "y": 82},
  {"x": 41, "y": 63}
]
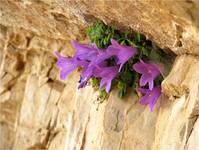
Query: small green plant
[
  {"x": 124, "y": 60},
  {"x": 101, "y": 35}
]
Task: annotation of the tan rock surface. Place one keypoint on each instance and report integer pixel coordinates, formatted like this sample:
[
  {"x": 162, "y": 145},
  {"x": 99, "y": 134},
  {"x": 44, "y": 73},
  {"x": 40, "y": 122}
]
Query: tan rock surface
[
  {"x": 38, "y": 111},
  {"x": 172, "y": 24}
]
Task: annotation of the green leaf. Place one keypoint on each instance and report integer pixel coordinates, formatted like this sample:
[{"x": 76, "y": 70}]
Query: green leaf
[
  {"x": 126, "y": 33},
  {"x": 122, "y": 42},
  {"x": 102, "y": 95},
  {"x": 94, "y": 82},
  {"x": 145, "y": 51},
  {"x": 122, "y": 89},
  {"x": 138, "y": 37}
]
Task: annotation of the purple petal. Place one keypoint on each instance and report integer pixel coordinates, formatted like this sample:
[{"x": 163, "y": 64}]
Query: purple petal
[
  {"x": 123, "y": 53},
  {"x": 87, "y": 72},
  {"x": 138, "y": 67},
  {"x": 66, "y": 65},
  {"x": 102, "y": 83},
  {"x": 114, "y": 42},
  {"x": 108, "y": 86},
  {"x": 84, "y": 51},
  {"x": 121, "y": 65},
  {"x": 83, "y": 64},
  {"x": 149, "y": 73},
  {"x": 65, "y": 73},
  {"x": 156, "y": 95},
  {"x": 103, "y": 55},
  {"x": 144, "y": 100},
  {"x": 152, "y": 106},
  {"x": 61, "y": 61},
  {"x": 151, "y": 84},
  {"x": 143, "y": 80},
  {"x": 107, "y": 74},
  {"x": 113, "y": 51},
  {"x": 150, "y": 97}
]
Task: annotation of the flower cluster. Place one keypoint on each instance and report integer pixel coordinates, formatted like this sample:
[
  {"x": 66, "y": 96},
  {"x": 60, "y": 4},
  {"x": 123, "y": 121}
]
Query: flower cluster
[
  {"x": 93, "y": 62},
  {"x": 149, "y": 73}
]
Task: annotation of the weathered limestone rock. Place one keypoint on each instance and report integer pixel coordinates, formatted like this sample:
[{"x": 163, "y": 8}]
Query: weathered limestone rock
[
  {"x": 179, "y": 116},
  {"x": 172, "y": 24},
  {"x": 38, "y": 111},
  {"x": 192, "y": 143}
]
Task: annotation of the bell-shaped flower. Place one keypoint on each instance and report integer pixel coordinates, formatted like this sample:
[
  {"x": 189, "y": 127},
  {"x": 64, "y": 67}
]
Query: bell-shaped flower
[
  {"x": 149, "y": 73},
  {"x": 107, "y": 74},
  {"x": 123, "y": 53},
  {"x": 151, "y": 96},
  {"x": 91, "y": 70},
  {"x": 85, "y": 51},
  {"x": 67, "y": 65},
  {"x": 102, "y": 56}
]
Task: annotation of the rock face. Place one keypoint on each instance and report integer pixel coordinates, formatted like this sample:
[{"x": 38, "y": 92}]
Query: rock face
[{"x": 38, "y": 111}]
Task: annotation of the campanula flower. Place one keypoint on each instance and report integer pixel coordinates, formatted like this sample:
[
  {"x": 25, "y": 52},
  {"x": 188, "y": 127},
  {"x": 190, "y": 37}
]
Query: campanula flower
[
  {"x": 150, "y": 97},
  {"x": 123, "y": 53},
  {"x": 149, "y": 73},
  {"x": 67, "y": 65},
  {"x": 85, "y": 51},
  {"x": 91, "y": 70},
  {"x": 107, "y": 74},
  {"x": 102, "y": 55}
]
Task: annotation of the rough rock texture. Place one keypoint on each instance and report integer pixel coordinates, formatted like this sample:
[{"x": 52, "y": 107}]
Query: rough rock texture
[
  {"x": 38, "y": 111},
  {"x": 172, "y": 24}
]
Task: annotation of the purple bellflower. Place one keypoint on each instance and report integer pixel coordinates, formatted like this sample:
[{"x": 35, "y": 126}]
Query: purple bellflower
[
  {"x": 107, "y": 74},
  {"x": 67, "y": 65},
  {"x": 86, "y": 74},
  {"x": 103, "y": 55},
  {"x": 149, "y": 73},
  {"x": 95, "y": 58},
  {"x": 123, "y": 53},
  {"x": 85, "y": 51},
  {"x": 150, "y": 97},
  {"x": 92, "y": 70}
]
